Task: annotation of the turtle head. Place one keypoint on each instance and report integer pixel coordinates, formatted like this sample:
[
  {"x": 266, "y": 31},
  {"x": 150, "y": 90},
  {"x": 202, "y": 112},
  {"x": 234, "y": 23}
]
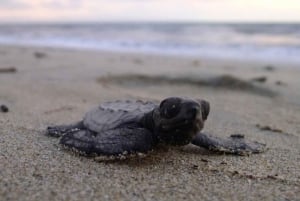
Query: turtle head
[{"x": 178, "y": 120}]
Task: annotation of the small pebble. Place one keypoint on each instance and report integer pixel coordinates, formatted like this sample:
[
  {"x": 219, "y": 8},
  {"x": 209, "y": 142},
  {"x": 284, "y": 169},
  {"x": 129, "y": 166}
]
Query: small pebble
[
  {"x": 195, "y": 167},
  {"x": 4, "y": 108},
  {"x": 10, "y": 69},
  {"x": 223, "y": 163},
  {"x": 269, "y": 68},
  {"x": 280, "y": 83},
  {"x": 204, "y": 160},
  {"x": 39, "y": 55},
  {"x": 261, "y": 79},
  {"x": 237, "y": 135},
  {"x": 272, "y": 176}
]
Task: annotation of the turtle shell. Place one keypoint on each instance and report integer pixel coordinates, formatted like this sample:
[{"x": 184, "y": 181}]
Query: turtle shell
[{"x": 111, "y": 115}]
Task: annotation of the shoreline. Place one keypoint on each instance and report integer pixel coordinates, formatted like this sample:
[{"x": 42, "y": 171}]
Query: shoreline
[
  {"x": 295, "y": 65},
  {"x": 57, "y": 86}
]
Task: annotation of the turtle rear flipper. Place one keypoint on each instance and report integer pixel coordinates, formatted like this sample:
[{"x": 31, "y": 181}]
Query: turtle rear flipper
[
  {"x": 58, "y": 131},
  {"x": 235, "y": 144},
  {"x": 114, "y": 142}
]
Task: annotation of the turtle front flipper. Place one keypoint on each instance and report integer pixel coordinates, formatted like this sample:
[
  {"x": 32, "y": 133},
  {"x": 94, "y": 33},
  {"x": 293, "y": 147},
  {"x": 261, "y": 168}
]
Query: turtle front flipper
[
  {"x": 235, "y": 144},
  {"x": 58, "y": 131},
  {"x": 115, "y": 142}
]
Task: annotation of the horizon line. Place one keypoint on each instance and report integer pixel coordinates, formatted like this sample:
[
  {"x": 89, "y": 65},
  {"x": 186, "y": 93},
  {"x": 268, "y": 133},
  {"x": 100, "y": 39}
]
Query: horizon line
[{"x": 147, "y": 22}]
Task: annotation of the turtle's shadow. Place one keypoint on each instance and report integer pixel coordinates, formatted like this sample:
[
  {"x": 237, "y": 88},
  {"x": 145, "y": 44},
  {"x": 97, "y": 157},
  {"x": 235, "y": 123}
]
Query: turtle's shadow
[
  {"x": 153, "y": 157},
  {"x": 195, "y": 150},
  {"x": 163, "y": 154}
]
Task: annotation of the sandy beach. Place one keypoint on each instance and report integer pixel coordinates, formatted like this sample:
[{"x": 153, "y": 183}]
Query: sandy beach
[{"x": 55, "y": 86}]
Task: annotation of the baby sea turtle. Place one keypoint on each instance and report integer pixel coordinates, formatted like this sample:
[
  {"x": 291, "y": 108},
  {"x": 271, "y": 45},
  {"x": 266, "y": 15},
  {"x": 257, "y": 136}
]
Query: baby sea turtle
[{"x": 127, "y": 127}]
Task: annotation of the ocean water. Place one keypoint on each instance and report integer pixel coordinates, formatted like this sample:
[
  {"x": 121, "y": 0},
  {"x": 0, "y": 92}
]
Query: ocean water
[{"x": 264, "y": 42}]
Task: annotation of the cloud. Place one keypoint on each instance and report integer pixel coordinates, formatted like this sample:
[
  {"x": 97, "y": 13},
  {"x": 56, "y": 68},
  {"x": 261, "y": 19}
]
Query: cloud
[
  {"x": 66, "y": 4},
  {"x": 62, "y": 3},
  {"x": 13, "y": 4},
  {"x": 47, "y": 4},
  {"x": 149, "y": 10}
]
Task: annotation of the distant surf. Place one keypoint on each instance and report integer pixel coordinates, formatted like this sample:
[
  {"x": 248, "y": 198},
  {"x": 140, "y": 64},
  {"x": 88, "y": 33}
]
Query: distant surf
[{"x": 262, "y": 42}]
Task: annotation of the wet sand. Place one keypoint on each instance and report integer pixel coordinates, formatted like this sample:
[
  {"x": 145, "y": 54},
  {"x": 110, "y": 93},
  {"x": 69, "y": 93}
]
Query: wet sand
[{"x": 54, "y": 86}]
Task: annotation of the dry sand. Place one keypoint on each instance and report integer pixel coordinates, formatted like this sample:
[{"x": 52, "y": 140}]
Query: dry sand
[{"x": 61, "y": 85}]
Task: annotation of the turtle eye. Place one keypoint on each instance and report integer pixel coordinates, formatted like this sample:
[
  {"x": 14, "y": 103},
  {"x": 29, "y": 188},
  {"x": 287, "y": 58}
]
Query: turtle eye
[
  {"x": 171, "y": 111},
  {"x": 169, "y": 108}
]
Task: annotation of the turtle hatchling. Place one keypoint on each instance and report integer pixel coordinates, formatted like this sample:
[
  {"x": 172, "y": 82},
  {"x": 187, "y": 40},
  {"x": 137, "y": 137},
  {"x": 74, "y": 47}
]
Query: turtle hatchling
[{"x": 130, "y": 127}]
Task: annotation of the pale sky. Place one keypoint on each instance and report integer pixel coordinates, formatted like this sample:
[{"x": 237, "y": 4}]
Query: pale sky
[{"x": 150, "y": 10}]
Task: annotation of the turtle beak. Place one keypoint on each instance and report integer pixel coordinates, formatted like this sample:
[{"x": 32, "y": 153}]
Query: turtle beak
[{"x": 205, "y": 108}]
